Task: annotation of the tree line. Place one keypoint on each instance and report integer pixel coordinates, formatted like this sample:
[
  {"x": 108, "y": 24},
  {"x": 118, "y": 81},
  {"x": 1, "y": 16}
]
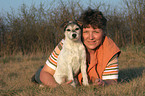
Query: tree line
[{"x": 37, "y": 29}]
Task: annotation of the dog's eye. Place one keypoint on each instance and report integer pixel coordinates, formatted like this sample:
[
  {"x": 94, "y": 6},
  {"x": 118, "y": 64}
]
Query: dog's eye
[
  {"x": 68, "y": 30},
  {"x": 77, "y": 29}
]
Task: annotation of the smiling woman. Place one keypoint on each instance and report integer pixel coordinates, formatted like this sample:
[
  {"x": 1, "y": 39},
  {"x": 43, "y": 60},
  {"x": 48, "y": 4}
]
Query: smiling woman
[
  {"x": 92, "y": 38},
  {"x": 102, "y": 52}
]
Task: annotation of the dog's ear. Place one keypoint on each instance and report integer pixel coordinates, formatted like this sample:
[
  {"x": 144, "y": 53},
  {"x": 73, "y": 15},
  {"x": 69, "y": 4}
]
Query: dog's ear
[
  {"x": 79, "y": 22},
  {"x": 64, "y": 24}
]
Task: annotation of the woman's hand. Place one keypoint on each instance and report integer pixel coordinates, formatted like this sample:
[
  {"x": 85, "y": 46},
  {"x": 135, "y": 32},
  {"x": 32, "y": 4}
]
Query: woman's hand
[{"x": 99, "y": 82}]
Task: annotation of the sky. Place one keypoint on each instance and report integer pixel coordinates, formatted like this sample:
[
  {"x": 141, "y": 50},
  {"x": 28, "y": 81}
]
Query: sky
[{"x": 9, "y": 5}]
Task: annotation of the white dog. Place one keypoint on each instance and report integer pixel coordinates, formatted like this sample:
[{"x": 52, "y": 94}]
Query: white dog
[{"x": 72, "y": 57}]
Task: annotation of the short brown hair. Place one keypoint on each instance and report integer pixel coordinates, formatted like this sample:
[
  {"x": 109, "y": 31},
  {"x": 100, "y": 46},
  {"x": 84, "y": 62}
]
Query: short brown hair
[{"x": 94, "y": 18}]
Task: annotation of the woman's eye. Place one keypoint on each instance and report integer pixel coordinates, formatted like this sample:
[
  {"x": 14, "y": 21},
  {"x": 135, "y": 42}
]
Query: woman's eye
[
  {"x": 85, "y": 31},
  {"x": 96, "y": 31},
  {"x": 77, "y": 29},
  {"x": 68, "y": 29}
]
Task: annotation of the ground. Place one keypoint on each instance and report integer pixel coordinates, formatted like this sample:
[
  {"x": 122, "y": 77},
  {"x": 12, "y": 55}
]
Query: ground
[{"x": 17, "y": 70}]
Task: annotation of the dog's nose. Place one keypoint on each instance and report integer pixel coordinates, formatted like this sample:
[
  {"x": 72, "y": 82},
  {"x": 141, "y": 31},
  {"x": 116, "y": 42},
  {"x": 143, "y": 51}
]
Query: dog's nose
[{"x": 74, "y": 35}]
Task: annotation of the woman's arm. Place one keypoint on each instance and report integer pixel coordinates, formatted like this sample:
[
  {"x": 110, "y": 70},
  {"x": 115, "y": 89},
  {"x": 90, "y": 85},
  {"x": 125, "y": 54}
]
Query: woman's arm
[
  {"x": 46, "y": 76},
  {"x": 110, "y": 74}
]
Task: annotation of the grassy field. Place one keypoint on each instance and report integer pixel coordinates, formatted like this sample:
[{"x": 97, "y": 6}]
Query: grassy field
[{"x": 16, "y": 72}]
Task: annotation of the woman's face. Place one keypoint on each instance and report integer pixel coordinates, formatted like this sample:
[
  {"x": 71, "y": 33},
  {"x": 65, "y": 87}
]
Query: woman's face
[{"x": 92, "y": 38}]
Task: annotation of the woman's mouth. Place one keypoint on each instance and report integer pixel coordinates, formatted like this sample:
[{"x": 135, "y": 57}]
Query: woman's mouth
[{"x": 91, "y": 42}]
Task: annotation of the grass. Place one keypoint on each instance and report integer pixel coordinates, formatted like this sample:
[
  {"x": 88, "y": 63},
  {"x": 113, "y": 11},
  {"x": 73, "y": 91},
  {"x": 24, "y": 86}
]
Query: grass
[{"x": 16, "y": 72}]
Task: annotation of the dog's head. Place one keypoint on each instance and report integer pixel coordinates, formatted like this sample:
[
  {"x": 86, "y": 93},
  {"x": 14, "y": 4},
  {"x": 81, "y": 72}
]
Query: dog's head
[{"x": 72, "y": 30}]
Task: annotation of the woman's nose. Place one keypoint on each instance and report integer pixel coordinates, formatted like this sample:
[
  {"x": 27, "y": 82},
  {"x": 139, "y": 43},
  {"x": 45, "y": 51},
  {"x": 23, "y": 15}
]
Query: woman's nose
[{"x": 91, "y": 36}]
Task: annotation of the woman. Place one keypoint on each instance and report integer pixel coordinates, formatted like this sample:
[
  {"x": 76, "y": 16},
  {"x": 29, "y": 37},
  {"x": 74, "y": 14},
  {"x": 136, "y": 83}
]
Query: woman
[{"x": 102, "y": 53}]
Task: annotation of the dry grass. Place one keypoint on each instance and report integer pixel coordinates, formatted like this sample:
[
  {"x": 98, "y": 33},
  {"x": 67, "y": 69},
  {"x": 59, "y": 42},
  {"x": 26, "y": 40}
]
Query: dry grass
[{"x": 16, "y": 72}]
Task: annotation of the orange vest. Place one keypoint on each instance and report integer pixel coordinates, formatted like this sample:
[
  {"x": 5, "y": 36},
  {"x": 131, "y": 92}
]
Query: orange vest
[{"x": 104, "y": 54}]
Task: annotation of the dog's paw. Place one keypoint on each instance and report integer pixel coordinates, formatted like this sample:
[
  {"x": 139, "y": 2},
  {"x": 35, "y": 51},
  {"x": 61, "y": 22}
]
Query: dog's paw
[
  {"x": 73, "y": 84},
  {"x": 85, "y": 83}
]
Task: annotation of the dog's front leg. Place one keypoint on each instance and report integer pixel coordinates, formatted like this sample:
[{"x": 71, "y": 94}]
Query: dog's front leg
[
  {"x": 59, "y": 78},
  {"x": 84, "y": 71},
  {"x": 84, "y": 75},
  {"x": 70, "y": 75}
]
